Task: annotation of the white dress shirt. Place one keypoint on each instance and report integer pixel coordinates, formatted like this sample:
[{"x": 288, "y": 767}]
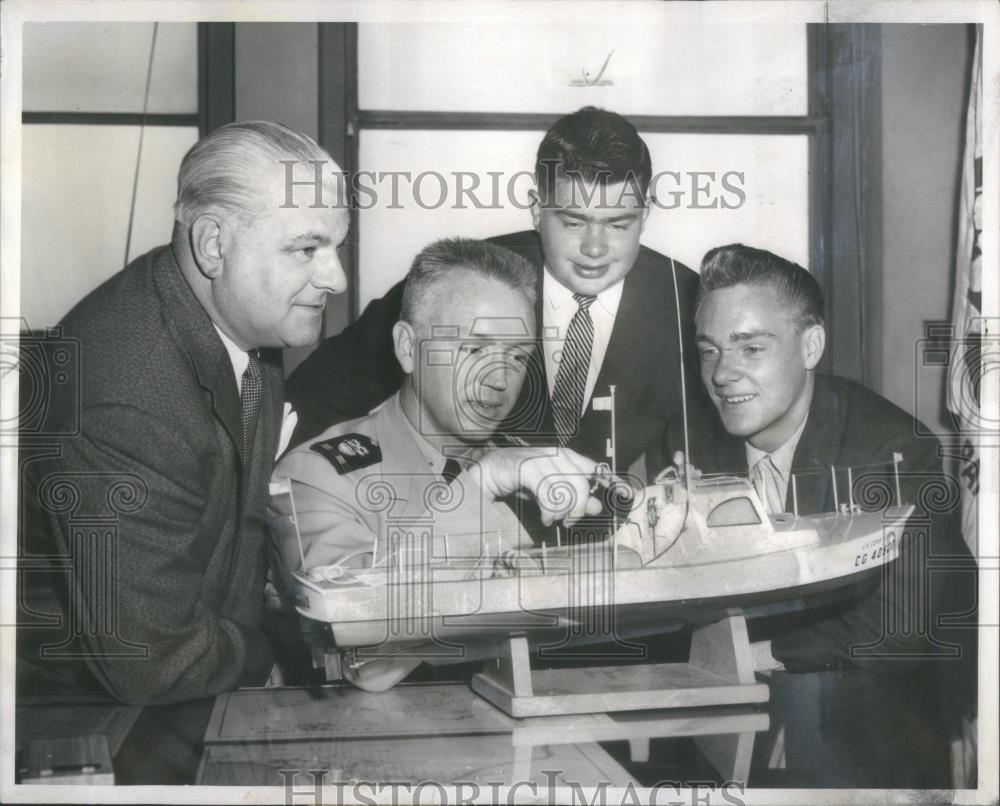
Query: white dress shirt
[
  {"x": 558, "y": 310},
  {"x": 237, "y": 357}
]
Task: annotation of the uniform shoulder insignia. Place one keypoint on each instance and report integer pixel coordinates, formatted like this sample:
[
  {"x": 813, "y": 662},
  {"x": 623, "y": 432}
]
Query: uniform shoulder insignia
[{"x": 349, "y": 452}]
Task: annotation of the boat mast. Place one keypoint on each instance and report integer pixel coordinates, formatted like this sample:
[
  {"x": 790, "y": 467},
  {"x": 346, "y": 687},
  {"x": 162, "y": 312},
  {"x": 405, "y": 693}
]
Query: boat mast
[
  {"x": 612, "y": 450},
  {"x": 680, "y": 351},
  {"x": 612, "y": 447}
]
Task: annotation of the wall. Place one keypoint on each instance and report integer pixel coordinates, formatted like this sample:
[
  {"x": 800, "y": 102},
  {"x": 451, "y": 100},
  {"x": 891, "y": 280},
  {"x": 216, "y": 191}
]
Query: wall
[
  {"x": 276, "y": 74},
  {"x": 77, "y": 178},
  {"x": 277, "y": 78},
  {"x": 924, "y": 73},
  {"x": 924, "y": 76}
]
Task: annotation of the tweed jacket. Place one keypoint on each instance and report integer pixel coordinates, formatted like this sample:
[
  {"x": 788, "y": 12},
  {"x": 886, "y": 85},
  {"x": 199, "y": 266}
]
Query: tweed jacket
[{"x": 143, "y": 538}]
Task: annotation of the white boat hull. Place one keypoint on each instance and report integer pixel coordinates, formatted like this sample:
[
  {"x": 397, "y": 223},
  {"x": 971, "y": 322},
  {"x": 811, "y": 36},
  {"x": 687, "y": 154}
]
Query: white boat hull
[{"x": 586, "y": 589}]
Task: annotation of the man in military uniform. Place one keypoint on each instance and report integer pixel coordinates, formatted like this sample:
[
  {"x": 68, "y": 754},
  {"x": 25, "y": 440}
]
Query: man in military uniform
[{"x": 464, "y": 339}]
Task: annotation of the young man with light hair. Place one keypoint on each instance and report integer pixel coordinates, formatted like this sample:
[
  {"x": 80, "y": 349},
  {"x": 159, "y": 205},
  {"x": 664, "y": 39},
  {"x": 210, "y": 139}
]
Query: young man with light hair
[{"x": 864, "y": 696}]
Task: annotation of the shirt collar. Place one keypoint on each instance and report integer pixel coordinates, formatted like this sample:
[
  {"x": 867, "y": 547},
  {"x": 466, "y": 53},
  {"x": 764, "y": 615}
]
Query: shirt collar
[
  {"x": 435, "y": 458},
  {"x": 237, "y": 357},
  {"x": 557, "y": 295},
  {"x": 783, "y": 456}
]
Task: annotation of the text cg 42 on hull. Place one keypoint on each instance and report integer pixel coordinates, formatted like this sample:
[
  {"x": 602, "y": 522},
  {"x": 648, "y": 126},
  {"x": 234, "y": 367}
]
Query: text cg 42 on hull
[{"x": 690, "y": 548}]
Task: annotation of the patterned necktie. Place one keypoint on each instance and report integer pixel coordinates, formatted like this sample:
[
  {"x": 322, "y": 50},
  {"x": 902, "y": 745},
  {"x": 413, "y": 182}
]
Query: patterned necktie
[
  {"x": 571, "y": 378},
  {"x": 766, "y": 480},
  {"x": 250, "y": 397}
]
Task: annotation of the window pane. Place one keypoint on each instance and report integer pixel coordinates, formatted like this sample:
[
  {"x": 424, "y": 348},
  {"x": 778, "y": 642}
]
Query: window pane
[
  {"x": 76, "y": 189},
  {"x": 101, "y": 67},
  {"x": 734, "y": 512},
  {"x": 395, "y": 229},
  {"x": 718, "y": 188},
  {"x": 696, "y": 170},
  {"x": 654, "y": 67}
]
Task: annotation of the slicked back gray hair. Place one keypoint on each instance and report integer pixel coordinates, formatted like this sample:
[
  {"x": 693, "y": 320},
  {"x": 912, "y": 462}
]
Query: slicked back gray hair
[
  {"x": 443, "y": 259},
  {"x": 223, "y": 169}
]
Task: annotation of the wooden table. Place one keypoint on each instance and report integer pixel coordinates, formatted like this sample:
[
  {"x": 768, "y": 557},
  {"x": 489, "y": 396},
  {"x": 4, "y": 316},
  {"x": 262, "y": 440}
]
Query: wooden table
[{"x": 435, "y": 732}]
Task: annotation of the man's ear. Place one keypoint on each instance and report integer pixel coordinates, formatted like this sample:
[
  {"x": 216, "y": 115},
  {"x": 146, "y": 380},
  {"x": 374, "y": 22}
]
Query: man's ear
[
  {"x": 206, "y": 244},
  {"x": 405, "y": 343},
  {"x": 813, "y": 342},
  {"x": 536, "y": 207}
]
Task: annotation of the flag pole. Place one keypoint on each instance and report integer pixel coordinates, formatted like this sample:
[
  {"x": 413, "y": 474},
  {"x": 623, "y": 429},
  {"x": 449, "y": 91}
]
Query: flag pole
[{"x": 896, "y": 459}]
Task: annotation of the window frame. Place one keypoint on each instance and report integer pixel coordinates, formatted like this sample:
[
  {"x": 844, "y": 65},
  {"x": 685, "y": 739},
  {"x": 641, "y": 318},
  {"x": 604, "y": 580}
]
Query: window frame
[
  {"x": 216, "y": 91},
  {"x": 342, "y": 121}
]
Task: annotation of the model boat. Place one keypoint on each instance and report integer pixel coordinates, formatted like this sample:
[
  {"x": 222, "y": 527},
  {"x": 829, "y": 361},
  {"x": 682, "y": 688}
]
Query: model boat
[{"x": 688, "y": 548}]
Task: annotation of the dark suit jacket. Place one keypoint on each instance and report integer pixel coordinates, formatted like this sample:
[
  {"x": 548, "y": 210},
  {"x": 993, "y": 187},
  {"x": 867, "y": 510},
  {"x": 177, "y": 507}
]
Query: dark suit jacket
[
  {"x": 352, "y": 372},
  {"x": 851, "y": 426},
  {"x": 153, "y": 497}
]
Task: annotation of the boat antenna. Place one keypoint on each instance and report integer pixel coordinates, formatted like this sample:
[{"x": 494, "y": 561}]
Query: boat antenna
[{"x": 680, "y": 350}]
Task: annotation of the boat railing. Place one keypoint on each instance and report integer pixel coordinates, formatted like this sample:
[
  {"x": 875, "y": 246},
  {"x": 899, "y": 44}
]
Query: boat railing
[{"x": 874, "y": 492}]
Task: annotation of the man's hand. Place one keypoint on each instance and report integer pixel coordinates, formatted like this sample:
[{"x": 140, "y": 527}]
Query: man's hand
[
  {"x": 557, "y": 478},
  {"x": 379, "y": 674}
]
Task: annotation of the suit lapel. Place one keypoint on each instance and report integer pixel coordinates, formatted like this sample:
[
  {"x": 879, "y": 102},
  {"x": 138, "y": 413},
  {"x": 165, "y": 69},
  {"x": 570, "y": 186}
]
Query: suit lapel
[
  {"x": 196, "y": 335},
  {"x": 623, "y": 366},
  {"x": 623, "y": 348},
  {"x": 818, "y": 450},
  {"x": 269, "y": 425},
  {"x": 532, "y": 414}
]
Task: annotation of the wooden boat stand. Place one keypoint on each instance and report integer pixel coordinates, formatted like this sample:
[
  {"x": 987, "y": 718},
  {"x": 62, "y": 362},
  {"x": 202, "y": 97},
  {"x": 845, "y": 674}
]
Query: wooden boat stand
[{"x": 719, "y": 671}]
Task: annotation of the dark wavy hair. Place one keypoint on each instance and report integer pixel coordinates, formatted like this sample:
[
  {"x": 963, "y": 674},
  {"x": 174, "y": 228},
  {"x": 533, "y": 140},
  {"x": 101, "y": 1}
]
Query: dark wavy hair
[{"x": 594, "y": 145}]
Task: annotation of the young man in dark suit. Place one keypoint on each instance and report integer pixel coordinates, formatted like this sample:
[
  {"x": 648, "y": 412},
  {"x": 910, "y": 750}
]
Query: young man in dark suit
[
  {"x": 143, "y": 530},
  {"x": 606, "y": 309},
  {"x": 875, "y": 686}
]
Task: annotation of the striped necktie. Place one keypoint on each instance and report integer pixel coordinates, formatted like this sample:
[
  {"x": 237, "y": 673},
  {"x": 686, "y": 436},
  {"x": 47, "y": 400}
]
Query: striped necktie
[
  {"x": 571, "y": 378},
  {"x": 766, "y": 479},
  {"x": 250, "y": 397}
]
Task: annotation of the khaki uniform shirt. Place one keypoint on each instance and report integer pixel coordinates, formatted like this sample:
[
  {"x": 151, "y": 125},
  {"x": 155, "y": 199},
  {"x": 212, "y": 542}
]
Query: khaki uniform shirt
[{"x": 372, "y": 488}]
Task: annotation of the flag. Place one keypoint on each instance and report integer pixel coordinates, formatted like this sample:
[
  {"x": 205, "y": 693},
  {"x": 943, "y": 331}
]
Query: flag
[
  {"x": 601, "y": 403},
  {"x": 964, "y": 371}
]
